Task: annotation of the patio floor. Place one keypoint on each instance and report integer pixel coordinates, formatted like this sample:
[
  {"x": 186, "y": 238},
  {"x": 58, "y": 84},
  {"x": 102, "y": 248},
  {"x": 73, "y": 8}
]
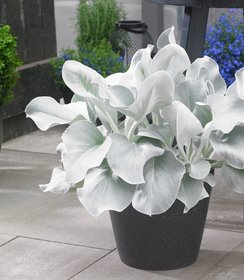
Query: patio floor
[{"x": 50, "y": 237}]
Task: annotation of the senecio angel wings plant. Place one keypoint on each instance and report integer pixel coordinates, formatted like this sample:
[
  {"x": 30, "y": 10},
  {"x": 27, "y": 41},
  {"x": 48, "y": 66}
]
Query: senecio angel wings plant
[{"x": 162, "y": 124}]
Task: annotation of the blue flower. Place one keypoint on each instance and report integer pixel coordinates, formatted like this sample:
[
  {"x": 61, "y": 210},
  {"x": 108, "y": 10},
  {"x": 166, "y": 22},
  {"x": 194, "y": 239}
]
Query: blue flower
[{"x": 224, "y": 43}]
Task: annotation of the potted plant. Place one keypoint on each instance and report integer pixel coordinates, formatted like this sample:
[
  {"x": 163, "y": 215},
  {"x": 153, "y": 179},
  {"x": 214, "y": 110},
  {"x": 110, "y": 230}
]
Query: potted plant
[
  {"x": 151, "y": 160},
  {"x": 8, "y": 63}
]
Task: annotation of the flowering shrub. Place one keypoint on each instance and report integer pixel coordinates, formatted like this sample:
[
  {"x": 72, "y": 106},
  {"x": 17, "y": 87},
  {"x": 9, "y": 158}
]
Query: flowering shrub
[
  {"x": 225, "y": 43},
  {"x": 102, "y": 59}
]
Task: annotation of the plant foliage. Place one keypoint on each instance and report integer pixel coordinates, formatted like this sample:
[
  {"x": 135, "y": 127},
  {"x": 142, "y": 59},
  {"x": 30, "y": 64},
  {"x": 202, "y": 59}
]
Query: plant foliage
[
  {"x": 177, "y": 117},
  {"x": 8, "y": 63},
  {"x": 225, "y": 43},
  {"x": 96, "y": 20},
  {"x": 101, "y": 58}
]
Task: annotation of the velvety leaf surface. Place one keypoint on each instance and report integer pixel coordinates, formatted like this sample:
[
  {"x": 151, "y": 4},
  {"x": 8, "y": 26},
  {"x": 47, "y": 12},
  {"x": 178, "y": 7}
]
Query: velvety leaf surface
[
  {"x": 86, "y": 148},
  {"x": 237, "y": 88},
  {"x": 230, "y": 146},
  {"x": 163, "y": 176},
  {"x": 206, "y": 70},
  {"x": 58, "y": 183},
  {"x": 155, "y": 93},
  {"x": 191, "y": 191},
  {"x": 104, "y": 191},
  {"x": 234, "y": 178},
  {"x": 46, "y": 112},
  {"x": 227, "y": 112},
  {"x": 172, "y": 58},
  {"x": 127, "y": 159},
  {"x": 179, "y": 117},
  {"x": 78, "y": 78},
  {"x": 166, "y": 37},
  {"x": 189, "y": 92}
]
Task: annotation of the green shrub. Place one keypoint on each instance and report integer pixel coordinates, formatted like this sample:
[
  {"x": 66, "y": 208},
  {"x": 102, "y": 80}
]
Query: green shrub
[
  {"x": 8, "y": 63},
  {"x": 100, "y": 58},
  {"x": 96, "y": 20}
]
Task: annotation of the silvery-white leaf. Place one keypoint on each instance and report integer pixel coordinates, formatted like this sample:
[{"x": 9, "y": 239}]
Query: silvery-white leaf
[
  {"x": 91, "y": 110},
  {"x": 103, "y": 130},
  {"x": 143, "y": 55},
  {"x": 230, "y": 146},
  {"x": 141, "y": 73},
  {"x": 77, "y": 98},
  {"x": 78, "y": 77},
  {"x": 178, "y": 116},
  {"x": 46, "y": 112},
  {"x": 200, "y": 169},
  {"x": 206, "y": 69},
  {"x": 172, "y": 59},
  {"x": 203, "y": 112},
  {"x": 210, "y": 180},
  {"x": 129, "y": 124},
  {"x": 202, "y": 144},
  {"x": 190, "y": 91},
  {"x": 179, "y": 78},
  {"x": 155, "y": 93},
  {"x": 104, "y": 191},
  {"x": 210, "y": 87},
  {"x": 190, "y": 192},
  {"x": 86, "y": 148},
  {"x": 127, "y": 159},
  {"x": 163, "y": 176},
  {"x": 204, "y": 194},
  {"x": 166, "y": 37},
  {"x": 227, "y": 111},
  {"x": 140, "y": 62},
  {"x": 105, "y": 113},
  {"x": 58, "y": 183},
  {"x": 129, "y": 78},
  {"x": 118, "y": 95},
  {"x": 60, "y": 149},
  {"x": 237, "y": 88},
  {"x": 234, "y": 178},
  {"x": 159, "y": 132}
]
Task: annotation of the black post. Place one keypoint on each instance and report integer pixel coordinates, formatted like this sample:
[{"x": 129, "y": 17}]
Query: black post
[{"x": 194, "y": 30}]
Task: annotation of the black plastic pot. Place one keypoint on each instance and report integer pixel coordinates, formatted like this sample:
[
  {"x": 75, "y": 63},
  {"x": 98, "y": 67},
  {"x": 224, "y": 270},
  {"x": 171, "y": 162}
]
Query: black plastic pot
[{"x": 167, "y": 241}]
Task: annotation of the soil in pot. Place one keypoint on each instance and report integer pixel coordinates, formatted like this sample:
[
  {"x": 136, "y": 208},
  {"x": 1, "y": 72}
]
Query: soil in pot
[{"x": 167, "y": 241}]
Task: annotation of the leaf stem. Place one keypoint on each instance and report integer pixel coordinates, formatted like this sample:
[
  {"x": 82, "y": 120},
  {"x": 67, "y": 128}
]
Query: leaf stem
[{"x": 132, "y": 130}]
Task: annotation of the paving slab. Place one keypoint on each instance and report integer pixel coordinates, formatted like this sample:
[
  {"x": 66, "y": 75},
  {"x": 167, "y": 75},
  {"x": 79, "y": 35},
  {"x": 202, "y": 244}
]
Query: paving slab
[
  {"x": 5, "y": 238},
  {"x": 27, "y": 211},
  {"x": 37, "y": 141},
  {"x": 224, "y": 214},
  {"x": 28, "y": 259},
  {"x": 111, "y": 268},
  {"x": 223, "y": 273},
  {"x": 235, "y": 259},
  {"x": 216, "y": 244},
  {"x": 223, "y": 193}
]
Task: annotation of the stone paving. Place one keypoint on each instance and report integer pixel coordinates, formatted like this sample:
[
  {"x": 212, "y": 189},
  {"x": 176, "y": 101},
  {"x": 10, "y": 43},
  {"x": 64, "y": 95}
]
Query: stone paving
[{"x": 50, "y": 237}]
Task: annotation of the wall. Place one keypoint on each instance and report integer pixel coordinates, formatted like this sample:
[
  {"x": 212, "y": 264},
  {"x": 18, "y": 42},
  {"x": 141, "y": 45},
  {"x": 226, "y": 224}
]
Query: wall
[{"x": 32, "y": 22}]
